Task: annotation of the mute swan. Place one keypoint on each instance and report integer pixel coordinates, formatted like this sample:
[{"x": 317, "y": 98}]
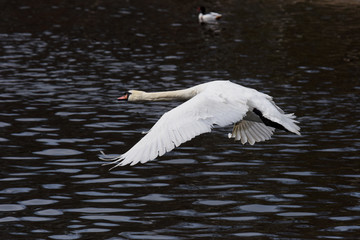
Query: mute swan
[
  {"x": 254, "y": 115},
  {"x": 210, "y": 17}
]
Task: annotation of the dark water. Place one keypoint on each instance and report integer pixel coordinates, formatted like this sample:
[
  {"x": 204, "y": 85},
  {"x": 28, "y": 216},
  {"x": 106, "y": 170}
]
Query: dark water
[{"x": 63, "y": 64}]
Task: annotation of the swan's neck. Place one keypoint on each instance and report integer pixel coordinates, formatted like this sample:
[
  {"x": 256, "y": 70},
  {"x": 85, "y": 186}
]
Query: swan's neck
[{"x": 182, "y": 95}]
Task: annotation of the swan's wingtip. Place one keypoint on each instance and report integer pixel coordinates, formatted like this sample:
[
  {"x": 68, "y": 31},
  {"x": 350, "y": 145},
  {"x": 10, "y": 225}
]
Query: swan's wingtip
[
  {"x": 118, "y": 161},
  {"x": 116, "y": 165},
  {"x": 102, "y": 156}
]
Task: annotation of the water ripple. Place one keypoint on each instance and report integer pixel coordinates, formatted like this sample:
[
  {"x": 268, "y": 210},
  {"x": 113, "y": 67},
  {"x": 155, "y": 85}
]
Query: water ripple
[
  {"x": 11, "y": 207},
  {"x": 58, "y": 152}
]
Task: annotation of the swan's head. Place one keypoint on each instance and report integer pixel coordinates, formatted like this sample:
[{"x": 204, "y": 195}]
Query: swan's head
[{"x": 132, "y": 96}]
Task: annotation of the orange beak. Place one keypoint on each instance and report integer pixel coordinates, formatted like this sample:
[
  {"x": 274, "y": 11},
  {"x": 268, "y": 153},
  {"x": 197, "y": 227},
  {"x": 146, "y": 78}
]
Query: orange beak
[
  {"x": 122, "y": 98},
  {"x": 125, "y": 97}
]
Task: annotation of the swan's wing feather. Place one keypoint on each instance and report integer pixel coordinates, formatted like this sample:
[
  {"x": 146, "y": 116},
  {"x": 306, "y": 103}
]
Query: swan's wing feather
[
  {"x": 271, "y": 111},
  {"x": 251, "y": 132},
  {"x": 192, "y": 118}
]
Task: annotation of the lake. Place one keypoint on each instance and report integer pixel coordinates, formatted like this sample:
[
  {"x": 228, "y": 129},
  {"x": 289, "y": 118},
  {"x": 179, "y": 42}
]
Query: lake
[{"x": 63, "y": 64}]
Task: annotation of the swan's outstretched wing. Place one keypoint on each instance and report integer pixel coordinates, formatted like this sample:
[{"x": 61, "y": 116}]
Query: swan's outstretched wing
[{"x": 192, "y": 118}]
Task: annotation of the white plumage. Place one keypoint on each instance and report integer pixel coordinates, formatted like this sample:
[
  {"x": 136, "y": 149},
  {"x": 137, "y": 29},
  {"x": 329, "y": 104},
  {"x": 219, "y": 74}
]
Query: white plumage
[
  {"x": 220, "y": 103},
  {"x": 209, "y": 18}
]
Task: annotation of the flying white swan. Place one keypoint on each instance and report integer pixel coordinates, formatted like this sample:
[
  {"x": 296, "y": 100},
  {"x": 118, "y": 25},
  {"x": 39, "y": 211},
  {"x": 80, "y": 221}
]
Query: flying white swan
[
  {"x": 254, "y": 115},
  {"x": 210, "y": 17}
]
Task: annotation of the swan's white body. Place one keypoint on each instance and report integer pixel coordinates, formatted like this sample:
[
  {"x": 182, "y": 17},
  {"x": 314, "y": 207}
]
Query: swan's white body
[
  {"x": 214, "y": 103},
  {"x": 209, "y": 18}
]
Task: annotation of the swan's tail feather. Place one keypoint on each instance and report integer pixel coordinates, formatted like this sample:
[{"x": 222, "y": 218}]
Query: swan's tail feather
[{"x": 291, "y": 124}]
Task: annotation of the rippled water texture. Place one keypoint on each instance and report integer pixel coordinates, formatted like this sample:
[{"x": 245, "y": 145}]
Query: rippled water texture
[{"x": 64, "y": 63}]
